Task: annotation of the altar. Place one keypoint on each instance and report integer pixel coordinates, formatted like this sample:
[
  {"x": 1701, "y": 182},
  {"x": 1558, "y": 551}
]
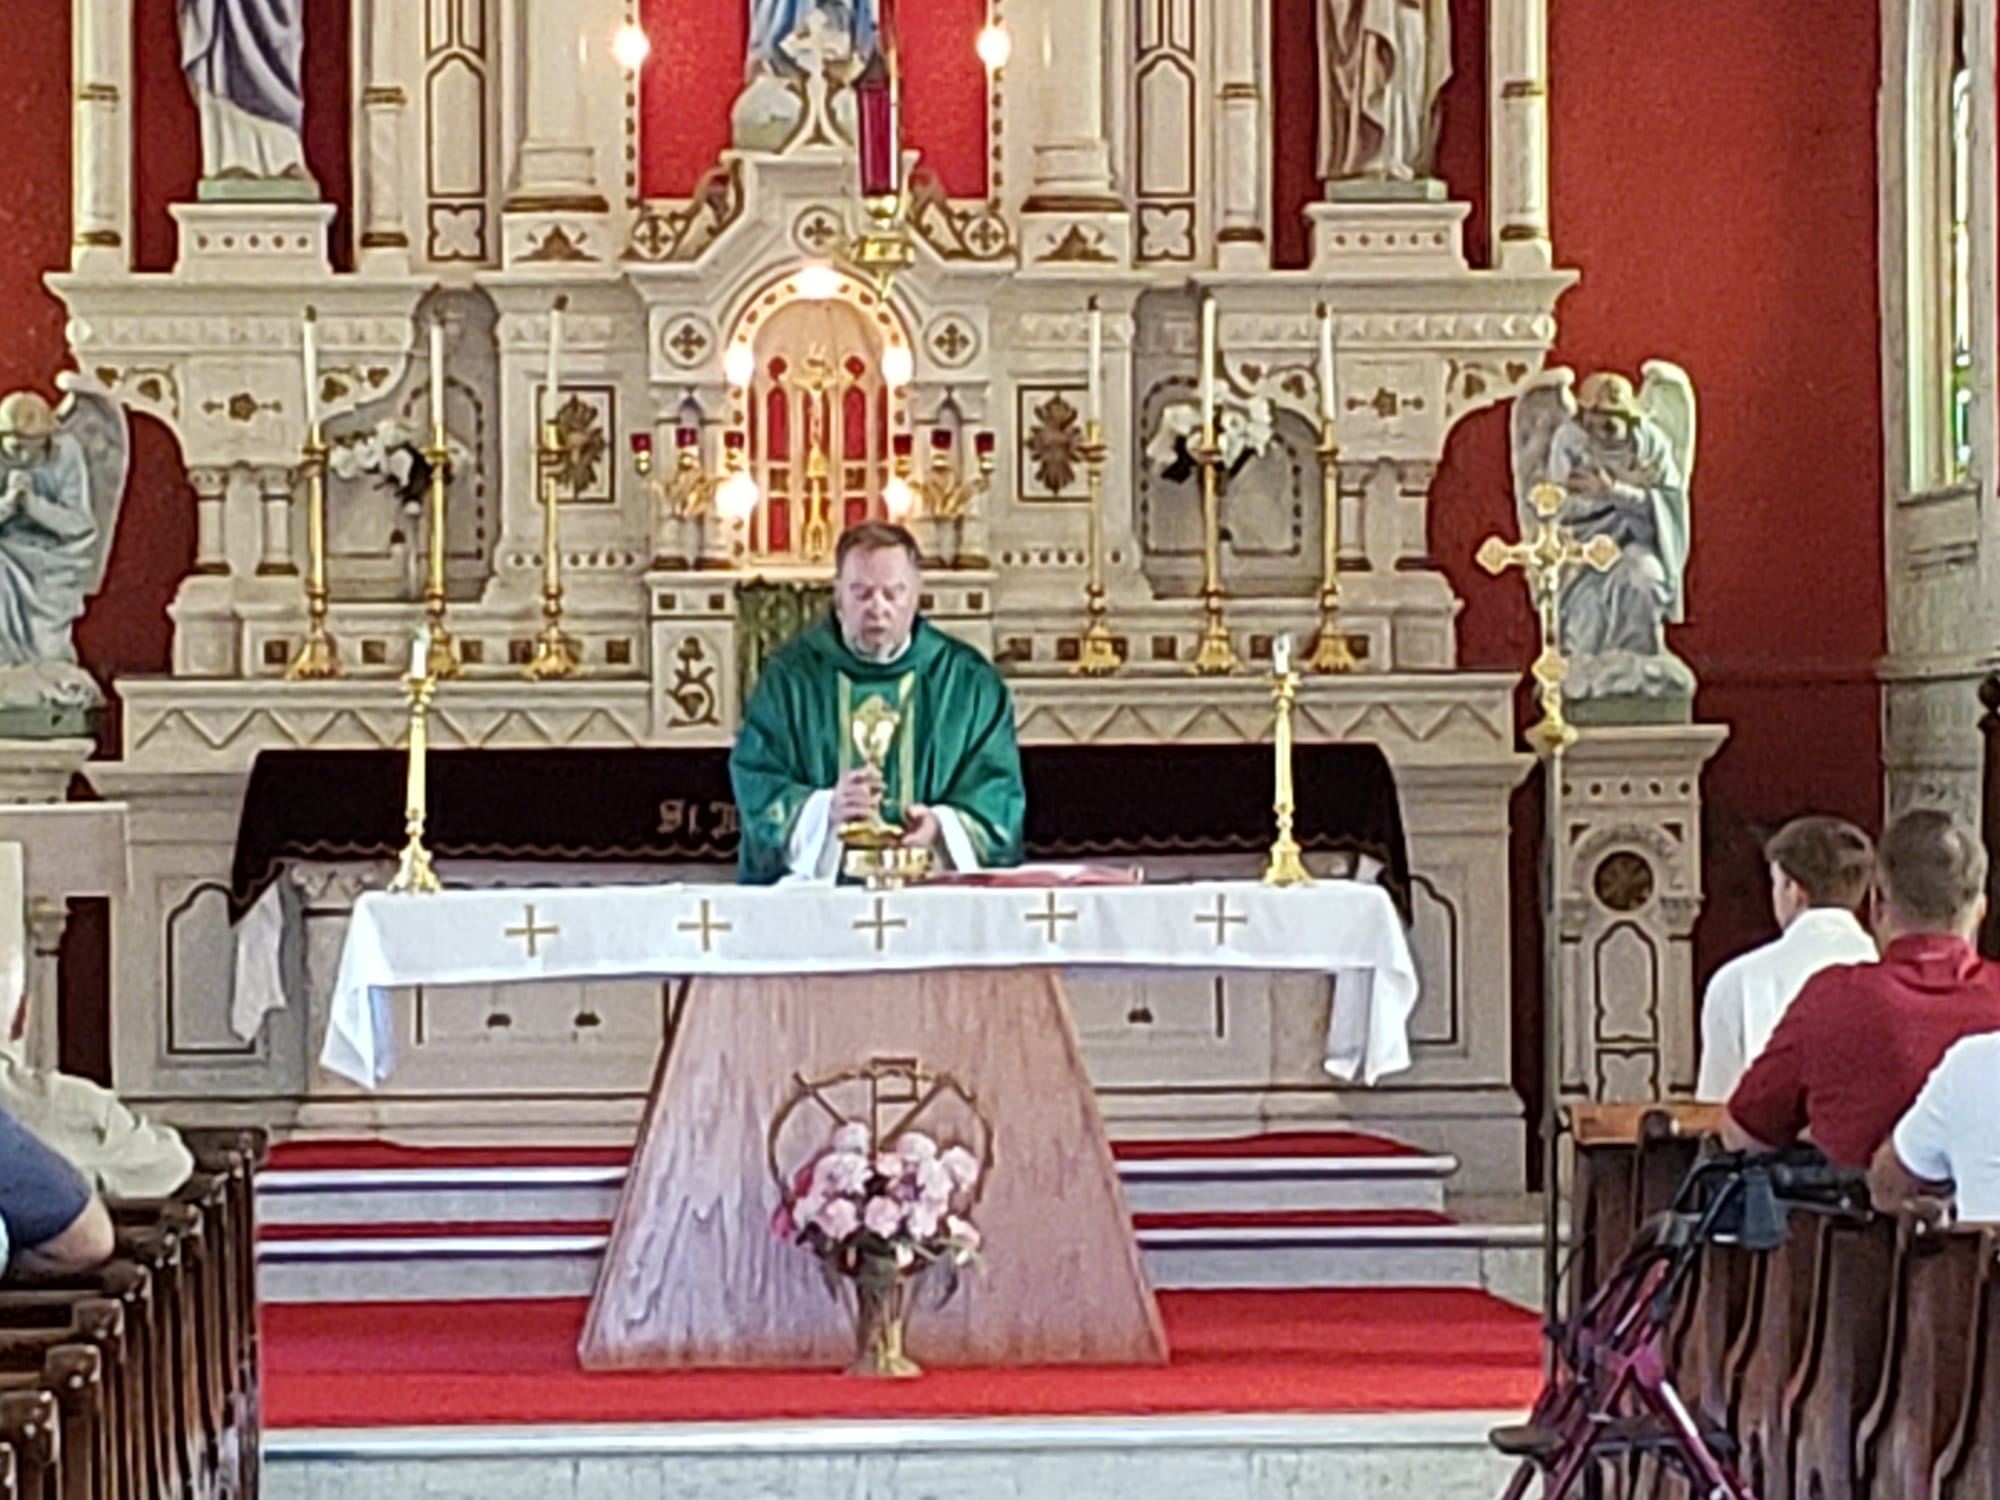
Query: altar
[{"x": 787, "y": 985}]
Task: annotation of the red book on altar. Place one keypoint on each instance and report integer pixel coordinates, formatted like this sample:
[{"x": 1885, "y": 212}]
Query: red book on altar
[{"x": 1028, "y": 877}]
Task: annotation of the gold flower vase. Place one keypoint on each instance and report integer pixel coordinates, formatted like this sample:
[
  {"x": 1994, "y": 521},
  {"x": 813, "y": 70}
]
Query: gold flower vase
[{"x": 881, "y": 1308}]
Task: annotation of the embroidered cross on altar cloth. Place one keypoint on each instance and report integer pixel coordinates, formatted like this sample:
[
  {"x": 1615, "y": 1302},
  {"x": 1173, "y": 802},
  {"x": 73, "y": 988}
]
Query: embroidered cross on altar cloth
[{"x": 1347, "y": 930}]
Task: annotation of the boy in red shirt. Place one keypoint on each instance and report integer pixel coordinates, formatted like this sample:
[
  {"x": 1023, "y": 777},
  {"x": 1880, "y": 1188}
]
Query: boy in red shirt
[{"x": 1858, "y": 1043}]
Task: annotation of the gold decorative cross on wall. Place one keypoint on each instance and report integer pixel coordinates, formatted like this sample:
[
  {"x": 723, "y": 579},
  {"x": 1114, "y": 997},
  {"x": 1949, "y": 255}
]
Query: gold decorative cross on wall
[{"x": 532, "y": 932}]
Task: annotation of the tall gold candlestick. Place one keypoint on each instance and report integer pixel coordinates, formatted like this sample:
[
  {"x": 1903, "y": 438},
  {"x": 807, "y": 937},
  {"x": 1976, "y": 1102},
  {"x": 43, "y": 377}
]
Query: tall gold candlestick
[
  {"x": 442, "y": 659},
  {"x": 1214, "y": 655},
  {"x": 1285, "y": 866},
  {"x": 1330, "y": 652},
  {"x": 414, "y": 874},
  {"x": 555, "y": 650},
  {"x": 319, "y": 656},
  {"x": 1097, "y": 653}
]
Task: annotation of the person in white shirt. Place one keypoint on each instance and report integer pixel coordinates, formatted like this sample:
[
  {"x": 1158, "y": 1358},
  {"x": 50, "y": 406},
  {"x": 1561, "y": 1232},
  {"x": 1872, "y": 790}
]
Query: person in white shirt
[
  {"x": 1948, "y": 1145},
  {"x": 1820, "y": 873}
]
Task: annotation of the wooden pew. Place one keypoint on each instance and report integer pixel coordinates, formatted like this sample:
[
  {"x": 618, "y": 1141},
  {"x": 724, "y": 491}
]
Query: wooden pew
[
  {"x": 1921, "y": 1389},
  {"x": 1629, "y": 1160},
  {"x": 73, "y": 1374},
  {"x": 28, "y": 1425},
  {"x": 1969, "y": 1467},
  {"x": 1850, "y": 1333},
  {"x": 1773, "y": 1340}
]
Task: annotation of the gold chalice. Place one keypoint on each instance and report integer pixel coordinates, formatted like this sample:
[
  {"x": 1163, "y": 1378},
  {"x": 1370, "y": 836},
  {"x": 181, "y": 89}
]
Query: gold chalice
[{"x": 873, "y": 846}]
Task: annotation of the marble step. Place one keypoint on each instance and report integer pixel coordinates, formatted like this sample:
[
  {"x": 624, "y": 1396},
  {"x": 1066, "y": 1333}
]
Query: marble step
[
  {"x": 470, "y": 1260},
  {"x": 447, "y": 1187}
]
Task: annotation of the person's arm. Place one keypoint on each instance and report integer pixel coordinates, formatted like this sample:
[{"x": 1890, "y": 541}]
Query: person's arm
[
  {"x": 1770, "y": 1107},
  {"x": 986, "y": 797},
  {"x": 772, "y": 797},
  {"x": 55, "y": 1223}
]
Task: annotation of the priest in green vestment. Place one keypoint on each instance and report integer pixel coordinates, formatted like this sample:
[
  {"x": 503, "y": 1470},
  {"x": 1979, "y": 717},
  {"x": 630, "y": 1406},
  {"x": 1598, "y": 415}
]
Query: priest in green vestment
[{"x": 952, "y": 775}]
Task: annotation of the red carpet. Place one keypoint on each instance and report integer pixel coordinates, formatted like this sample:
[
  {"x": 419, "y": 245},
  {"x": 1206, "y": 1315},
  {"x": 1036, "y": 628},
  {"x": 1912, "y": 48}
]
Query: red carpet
[
  {"x": 375, "y": 1156},
  {"x": 514, "y": 1363}
]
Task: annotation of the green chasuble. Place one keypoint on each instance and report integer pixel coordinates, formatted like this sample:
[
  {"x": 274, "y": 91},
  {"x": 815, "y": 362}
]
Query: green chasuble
[{"x": 954, "y": 746}]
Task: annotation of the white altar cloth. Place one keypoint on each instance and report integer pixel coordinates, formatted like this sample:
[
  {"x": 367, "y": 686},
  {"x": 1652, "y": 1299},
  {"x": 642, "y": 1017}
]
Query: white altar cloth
[{"x": 1346, "y": 929}]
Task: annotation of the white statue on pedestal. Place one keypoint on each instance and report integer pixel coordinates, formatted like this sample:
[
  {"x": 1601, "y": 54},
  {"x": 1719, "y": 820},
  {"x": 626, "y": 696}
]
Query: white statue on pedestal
[
  {"x": 1383, "y": 64},
  {"x": 61, "y": 481},
  {"x": 245, "y": 66},
  {"x": 1624, "y": 460}
]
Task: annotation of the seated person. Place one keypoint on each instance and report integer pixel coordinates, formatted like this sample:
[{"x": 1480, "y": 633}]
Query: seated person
[
  {"x": 952, "y": 778},
  {"x": 1948, "y": 1145},
  {"x": 1820, "y": 869},
  {"x": 54, "y": 1224},
  {"x": 119, "y": 1153},
  {"x": 1856, "y": 1046}
]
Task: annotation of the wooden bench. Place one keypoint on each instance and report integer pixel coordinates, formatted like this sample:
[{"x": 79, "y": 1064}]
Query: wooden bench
[{"x": 149, "y": 1363}]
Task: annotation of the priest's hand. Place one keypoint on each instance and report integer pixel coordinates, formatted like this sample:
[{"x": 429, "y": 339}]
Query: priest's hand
[
  {"x": 857, "y": 796},
  {"x": 922, "y": 829}
]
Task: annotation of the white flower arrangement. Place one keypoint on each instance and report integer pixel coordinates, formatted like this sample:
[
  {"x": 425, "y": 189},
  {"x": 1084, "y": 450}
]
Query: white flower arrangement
[
  {"x": 392, "y": 451},
  {"x": 1243, "y": 431}
]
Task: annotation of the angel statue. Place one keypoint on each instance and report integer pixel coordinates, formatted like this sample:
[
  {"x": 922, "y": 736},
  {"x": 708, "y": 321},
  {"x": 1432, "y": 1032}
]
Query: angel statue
[
  {"x": 62, "y": 478},
  {"x": 1624, "y": 460}
]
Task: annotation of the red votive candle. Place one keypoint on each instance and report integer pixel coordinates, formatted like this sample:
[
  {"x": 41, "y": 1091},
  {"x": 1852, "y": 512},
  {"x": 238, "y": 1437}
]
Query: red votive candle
[
  {"x": 686, "y": 437},
  {"x": 876, "y": 109},
  {"x": 982, "y": 444},
  {"x": 904, "y": 444},
  {"x": 733, "y": 441},
  {"x": 642, "y": 442},
  {"x": 940, "y": 438}
]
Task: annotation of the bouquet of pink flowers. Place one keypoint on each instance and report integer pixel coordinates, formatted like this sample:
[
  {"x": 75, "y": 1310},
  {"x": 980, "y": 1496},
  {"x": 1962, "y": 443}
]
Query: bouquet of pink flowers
[{"x": 875, "y": 1214}]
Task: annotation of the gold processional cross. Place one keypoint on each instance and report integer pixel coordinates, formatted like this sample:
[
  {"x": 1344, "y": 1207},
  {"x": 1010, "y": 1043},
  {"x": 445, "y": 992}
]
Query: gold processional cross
[
  {"x": 1549, "y": 558},
  {"x": 532, "y": 932},
  {"x": 708, "y": 925}
]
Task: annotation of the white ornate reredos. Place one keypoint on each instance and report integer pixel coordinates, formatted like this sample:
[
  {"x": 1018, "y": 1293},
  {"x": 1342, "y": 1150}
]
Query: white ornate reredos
[{"x": 980, "y": 340}]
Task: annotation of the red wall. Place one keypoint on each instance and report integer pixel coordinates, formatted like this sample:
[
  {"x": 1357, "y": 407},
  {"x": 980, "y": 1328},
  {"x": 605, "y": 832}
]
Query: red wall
[{"x": 693, "y": 75}]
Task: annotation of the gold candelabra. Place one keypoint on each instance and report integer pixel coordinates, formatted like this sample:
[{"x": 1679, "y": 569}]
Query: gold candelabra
[
  {"x": 1330, "y": 652},
  {"x": 413, "y": 869},
  {"x": 442, "y": 658},
  {"x": 1097, "y": 653},
  {"x": 1214, "y": 655},
  {"x": 884, "y": 247},
  {"x": 1286, "y": 867},
  {"x": 1548, "y": 559},
  {"x": 319, "y": 655},
  {"x": 555, "y": 649}
]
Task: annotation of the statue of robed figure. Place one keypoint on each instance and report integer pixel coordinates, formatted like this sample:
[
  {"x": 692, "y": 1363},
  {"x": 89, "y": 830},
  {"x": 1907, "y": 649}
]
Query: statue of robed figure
[
  {"x": 245, "y": 66},
  {"x": 1383, "y": 64}
]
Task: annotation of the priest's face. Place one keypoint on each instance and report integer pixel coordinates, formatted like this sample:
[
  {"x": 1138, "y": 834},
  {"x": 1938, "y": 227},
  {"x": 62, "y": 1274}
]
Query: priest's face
[{"x": 875, "y": 595}]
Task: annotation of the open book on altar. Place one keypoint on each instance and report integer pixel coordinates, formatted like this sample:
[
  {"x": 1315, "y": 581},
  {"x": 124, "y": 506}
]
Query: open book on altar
[{"x": 1035, "y": 877}]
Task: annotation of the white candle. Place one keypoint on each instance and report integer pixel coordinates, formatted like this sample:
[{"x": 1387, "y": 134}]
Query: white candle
[
  {"x": 437, "y": 378},
  {"x": 420, "y": 652},
  {"x": 1207, "y": 366},
  {"x": 312, "y": 369},
  {"x": 555, "y": 355},
  {"x": 1096, "y": 411},
  {"x": 1281, "y": 655},
  {"x": 1328, "y": 407}
]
